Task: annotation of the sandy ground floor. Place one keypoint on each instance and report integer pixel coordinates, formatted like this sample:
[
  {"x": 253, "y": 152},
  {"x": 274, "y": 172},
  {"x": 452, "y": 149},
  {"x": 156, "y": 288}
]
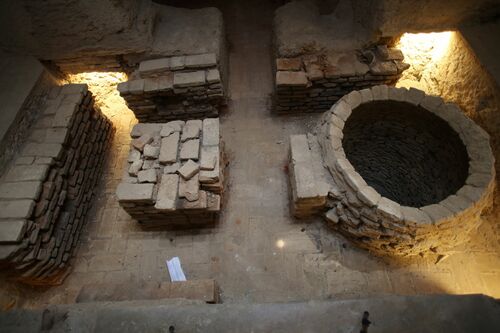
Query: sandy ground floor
[{"x": 257, "y": 252}]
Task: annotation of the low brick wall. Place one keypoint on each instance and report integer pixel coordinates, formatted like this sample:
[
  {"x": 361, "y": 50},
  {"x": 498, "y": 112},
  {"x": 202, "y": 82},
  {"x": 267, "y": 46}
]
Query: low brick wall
[
  {"x": 174, "y": 175},
  {"x": 46, "y": 194},
  {"x": 181, "y": 87},
  {"x": 373, "y": 221},
  {"x": 311, "y": 83}
]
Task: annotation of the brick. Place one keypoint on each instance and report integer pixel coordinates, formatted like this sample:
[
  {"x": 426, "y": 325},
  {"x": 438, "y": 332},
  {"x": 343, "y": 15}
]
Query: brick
[
  {"x": 16, "y": 209},
  {"x": 27, "y": 173},
  {"x": 135, "y": 192},
  {"x": 211, "y": 132},
  {"x": 135, "y": 167},
  {"x": 136, "y": 87},
  {"x": 167, "y": 192},
  {"x": 143, "y": 140},
  {"x": 189, "y": 188},
  {"x": 213, "y": 76},
  {"x": 43, "y": 149},
  {"x": 154, "y": 66},
  {"x": 389, "y": 208},
  {"x": 12, "y": 231},
  {"x": 189, "y": 169},
  {"x": 177, "y": 63},
  {"x": 291, "y": 79},
  {"x": 147, "y": 176},
  {"x": 145, "y": 128},
  {"x": 209, "y": 157},
  {"x": 21, "y": 190},
  {"x": 189, "y": 79},
  {"x": 191, "y": 130},
  {"x": 288, "y": 64},
  {"x": 168, "y": 149},
  {"x": 151, "y": 152},
  {"x": 200, "y": 203},
  {"x": 190, "y": 150},
  {"x": 171, "y": 168},
  {"x": 64, "y": 114},
  {"x": 201, "y": 60}
]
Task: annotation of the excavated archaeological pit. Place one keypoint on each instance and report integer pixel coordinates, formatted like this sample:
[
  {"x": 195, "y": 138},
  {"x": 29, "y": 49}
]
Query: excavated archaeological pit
[
  {"x": 407, "y": 172},
  {"x": 406, "y": 154}
]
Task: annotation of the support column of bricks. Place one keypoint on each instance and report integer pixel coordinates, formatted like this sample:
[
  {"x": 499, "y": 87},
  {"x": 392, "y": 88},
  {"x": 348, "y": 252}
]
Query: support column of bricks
[
  {"x": 181, "y": 87},
  {"x": 174, "y": 174},
  {"x": 312, "y": 83},
  {"x": 45, "y": 195}
]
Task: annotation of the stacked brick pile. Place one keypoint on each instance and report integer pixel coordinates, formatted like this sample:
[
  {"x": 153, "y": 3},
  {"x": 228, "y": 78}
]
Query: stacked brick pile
[
  {"x": 181, "y": 87},
  {"x": 312, "y": 83},
  {"x": 45, "y": 195},
  {"x": 174, "y": 175}
]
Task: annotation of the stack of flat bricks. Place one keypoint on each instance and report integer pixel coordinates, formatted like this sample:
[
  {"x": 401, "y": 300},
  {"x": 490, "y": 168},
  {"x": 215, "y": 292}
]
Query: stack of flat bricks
[
  {"x": 312, "y": 83},
  {"x": 181, "y": 87},
  {"x": 112, "y": 63},
  {"x": 45, "y": 195},
  {"x": 174, "y": 174},
  {"x": 309, "y": 184}
]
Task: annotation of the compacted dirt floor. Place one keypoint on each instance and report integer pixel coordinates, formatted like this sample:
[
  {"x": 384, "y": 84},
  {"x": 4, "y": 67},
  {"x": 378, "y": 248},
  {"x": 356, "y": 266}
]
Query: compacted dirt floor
[{"x": 257, "y": 252}]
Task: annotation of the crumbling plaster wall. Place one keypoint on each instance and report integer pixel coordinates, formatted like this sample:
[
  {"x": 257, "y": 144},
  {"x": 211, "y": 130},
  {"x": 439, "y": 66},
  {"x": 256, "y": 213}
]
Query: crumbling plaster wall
[
  {"x": 56, "y": 29},
  {"x": 306, "y": 26}
]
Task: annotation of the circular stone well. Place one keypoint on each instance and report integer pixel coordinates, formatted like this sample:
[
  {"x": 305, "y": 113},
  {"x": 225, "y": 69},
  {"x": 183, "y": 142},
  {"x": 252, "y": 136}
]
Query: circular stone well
[{"x": 412, "y": 173}]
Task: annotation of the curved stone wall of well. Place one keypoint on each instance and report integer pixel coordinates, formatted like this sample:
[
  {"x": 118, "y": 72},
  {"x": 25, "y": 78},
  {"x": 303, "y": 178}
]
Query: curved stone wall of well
[{"x": 384, "y": 226}]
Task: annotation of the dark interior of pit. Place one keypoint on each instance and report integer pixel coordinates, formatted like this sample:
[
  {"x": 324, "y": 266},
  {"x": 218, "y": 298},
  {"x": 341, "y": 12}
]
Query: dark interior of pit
[{"x": 406, "y": 153}]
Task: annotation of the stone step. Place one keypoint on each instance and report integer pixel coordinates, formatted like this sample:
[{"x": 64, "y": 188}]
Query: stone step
[{"x": 205, "y": 290}]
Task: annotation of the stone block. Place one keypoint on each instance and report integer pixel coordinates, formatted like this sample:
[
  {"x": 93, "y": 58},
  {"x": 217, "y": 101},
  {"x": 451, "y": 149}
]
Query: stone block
[
  {"x": 171, "y": 168},
  {"x": 189, "y": 188},
  {"x": 12, "y": 231},
  {"x": 415, "y": 215},
  {"x": 136, "y": 87},
  {"x": 191, "y": 130},
  {"x": 299, "y": 149},
  {"x": 135, "y": 192},
  {"x": 16, "y": 209},
  {"x": 389, "y": 209},
  {"x": 145, "y": 128},
  {"x": 27, "y": 173},
  {"x": 437, "y": 213},
  {"x": 201, "y": 60},
  {"x": 343, "y": 110},
  {"x": 190, "y": 150},
  {"x": 135, "y": 167},
  {"x": 189, "y": 169},
  {"x": 167, "y": 192},
  {"x": 211, "y": 133},
  {"x": 189, "y": 79},
  {"x": 177, "y": 63},
  {"x": 291, "y": 79},
  {"x": 200, "y": 203},
  {"x": 21, "y": 190},
  {"x": 209, "y": 157},
  {"x": 288, "y": 64},
  {"x": 151, "y": 152},
  {"x": 169, "y": 147},
  {"x": 133, "y": 156},
  {"x": 74, "y": 88},
  {"x": 368, "y": 195},
  {"x": 42, "y": 149},
  {"x": 213, "y": 76},
  {"x": 56, "y": 135},
  {"x": 383, "y": 68},
  {"x": 142, "y": 141},
  {"x": 147, "y": 176},
  {"x": 64, "y": 114},
  {"x": 154, "y": 66}
]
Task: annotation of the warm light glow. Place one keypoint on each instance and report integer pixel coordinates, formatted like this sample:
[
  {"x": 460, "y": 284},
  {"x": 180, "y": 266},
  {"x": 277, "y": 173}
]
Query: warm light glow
[
  {"x": 103, "y": 87},
  {"x": 425, "y": 53},
  {"x": 280, "y": 243},
  {"x": 430, "y": 46}
]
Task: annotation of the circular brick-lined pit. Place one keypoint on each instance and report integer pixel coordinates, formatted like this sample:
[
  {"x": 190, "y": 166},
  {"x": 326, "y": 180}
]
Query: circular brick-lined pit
[{"x": 412, "y": 174}]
